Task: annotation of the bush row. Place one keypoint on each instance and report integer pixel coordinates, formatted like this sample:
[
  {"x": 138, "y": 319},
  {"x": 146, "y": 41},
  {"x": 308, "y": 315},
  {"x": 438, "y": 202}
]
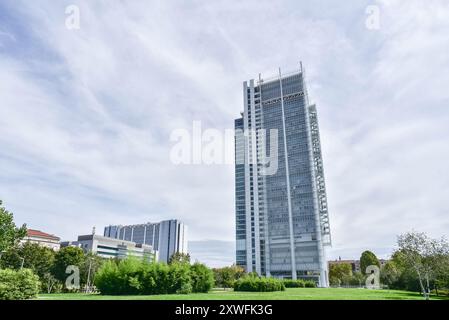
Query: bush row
[
  {"x": 300, "y": 283},
  {"x": 18, "y": 285},
  {"x": 136, "y": 277},
  {"x": 258, "y": 284}
]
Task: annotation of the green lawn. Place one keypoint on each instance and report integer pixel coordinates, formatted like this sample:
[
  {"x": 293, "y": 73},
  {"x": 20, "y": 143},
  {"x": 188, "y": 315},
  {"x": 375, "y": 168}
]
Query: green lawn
[{"x": 289, "y": 294}]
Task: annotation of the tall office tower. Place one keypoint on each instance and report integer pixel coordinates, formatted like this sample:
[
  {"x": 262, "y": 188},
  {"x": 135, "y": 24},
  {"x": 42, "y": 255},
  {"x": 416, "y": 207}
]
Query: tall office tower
[
  {"x": 167, "y": 237},
  {"x": 282, "y": 224}
]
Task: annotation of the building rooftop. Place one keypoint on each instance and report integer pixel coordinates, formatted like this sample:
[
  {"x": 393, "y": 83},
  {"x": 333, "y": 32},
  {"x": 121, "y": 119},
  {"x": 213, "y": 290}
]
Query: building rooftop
[
  {"x": 40, "y": 234},
  {"x": 89, "y": 237}
]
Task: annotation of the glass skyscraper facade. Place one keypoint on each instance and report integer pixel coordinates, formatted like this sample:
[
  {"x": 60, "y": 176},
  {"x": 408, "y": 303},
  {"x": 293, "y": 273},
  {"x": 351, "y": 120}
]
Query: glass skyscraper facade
[{"x": 282, "y": 222}]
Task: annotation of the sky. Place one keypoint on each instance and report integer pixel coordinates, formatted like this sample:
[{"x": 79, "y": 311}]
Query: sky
[{"x": 86, "y": 113}]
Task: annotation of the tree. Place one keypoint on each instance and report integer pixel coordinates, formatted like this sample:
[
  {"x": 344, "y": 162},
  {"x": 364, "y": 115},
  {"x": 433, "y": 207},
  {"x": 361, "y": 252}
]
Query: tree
[
  {"x": 357, "y": 279},
  {"x": 88, "y": 269},
  {"x": 425, "y": 256},
  {"x": 50, "y": 283},
  {"x": 368, "y": 259},
  {"x": 33, "y": 256},
  {"x": 390, "y": 273},
  {"x": 226, "y": 277},
  {"x": 66, "y": 257},
  {"x": 339, "y": 273},
  {"x": 442, "y": 273},
  {"x": 405, "y": 279},
  {"x": 179, "y": 257},
  {"x": 10, "y": 235},
  {"x": 179, "y": 279}
]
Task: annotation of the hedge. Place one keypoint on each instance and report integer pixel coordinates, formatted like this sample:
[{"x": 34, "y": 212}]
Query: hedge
[
  {"x": 136, "y": 277},
  {"x": 258, "y": 284},
  {"x": 300, "y": 283},
  {"x": 310, "y": 284},
  {"x": 18, "y": 285},
  {"x": 294, "y": 283}
]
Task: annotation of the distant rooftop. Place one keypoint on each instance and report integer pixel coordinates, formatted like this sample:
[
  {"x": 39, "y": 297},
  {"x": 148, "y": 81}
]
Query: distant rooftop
[
  {"x": 270, "y": 79},
  {"x": 275, "y": 76},
  {"x": 40, "y": 234}
]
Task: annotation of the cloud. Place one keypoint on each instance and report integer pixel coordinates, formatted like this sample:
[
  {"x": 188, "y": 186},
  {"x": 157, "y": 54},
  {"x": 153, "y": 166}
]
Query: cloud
[{"x": 86, "y": 114}]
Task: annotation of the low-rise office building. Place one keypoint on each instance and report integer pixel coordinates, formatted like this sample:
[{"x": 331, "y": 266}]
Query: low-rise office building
[
  {"x": 167, "y": 237},
  {"x": 113, "y": 248}
]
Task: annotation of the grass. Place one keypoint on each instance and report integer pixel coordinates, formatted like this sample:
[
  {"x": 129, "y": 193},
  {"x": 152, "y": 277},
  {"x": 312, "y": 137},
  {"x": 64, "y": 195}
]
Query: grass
[{"x": 289, "y": 294}]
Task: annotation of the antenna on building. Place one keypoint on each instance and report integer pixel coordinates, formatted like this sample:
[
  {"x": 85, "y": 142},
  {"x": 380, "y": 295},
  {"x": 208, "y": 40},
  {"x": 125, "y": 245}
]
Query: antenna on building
[{"x": 93, "y": 231}]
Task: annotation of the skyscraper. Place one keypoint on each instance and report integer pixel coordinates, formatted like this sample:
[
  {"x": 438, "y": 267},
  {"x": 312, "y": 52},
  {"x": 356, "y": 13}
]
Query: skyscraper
[
  {"x": 282, "y": 223},
  {"x": 167, "y": 237}
]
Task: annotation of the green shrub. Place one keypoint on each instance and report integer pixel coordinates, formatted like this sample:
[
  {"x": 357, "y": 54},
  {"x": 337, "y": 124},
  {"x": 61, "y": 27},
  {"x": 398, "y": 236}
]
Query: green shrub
[
  {"x": 136, "y": 277},
  {"x": 122, "y": 278},
  {"x": 310, "y": 284},
  {"x": 294, "y": 283},
  {"x": 179, "y": 280},
  {"x": 107, "y": 279},
  {"x": 186, "y": 288},
  {"x": 444, "y": 292},
  {"x": 18, "y": 285},
  {"x": 202, "y": 278},
  {"x": 155, "y": 278},
  {"x": 258, "y": 284}
]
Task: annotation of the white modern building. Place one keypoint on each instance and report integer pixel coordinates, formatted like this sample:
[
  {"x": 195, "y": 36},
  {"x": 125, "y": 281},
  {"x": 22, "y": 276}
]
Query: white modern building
[
  {"x": 113, "y": 248},
  {"x": 282, "y": 221},
  {"x": 167, "y": 237},
  {"x": 42, "y": 239}
]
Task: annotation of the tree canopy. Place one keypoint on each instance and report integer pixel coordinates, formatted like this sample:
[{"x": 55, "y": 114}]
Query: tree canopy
[
  {"x": 179, "y": 257},
  {"x": 227, "y": 276},
  {"x": 66, "y": 257},
  {"x": 419, "y": 264},
  {"x": 10, "y": 234},
  {"x": 367, "y": 259},
  {"x": 35, "y": 257},
  {"x": 339, "y": 273}
]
